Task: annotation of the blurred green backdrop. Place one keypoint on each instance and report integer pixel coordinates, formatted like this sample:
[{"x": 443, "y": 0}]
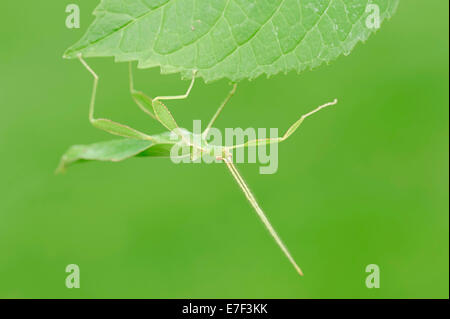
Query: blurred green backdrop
[{"x": 364, "y": 182}]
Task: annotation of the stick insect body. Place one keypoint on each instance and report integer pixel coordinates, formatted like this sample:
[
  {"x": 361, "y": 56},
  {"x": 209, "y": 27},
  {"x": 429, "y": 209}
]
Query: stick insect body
[{"x": 199, "y": 147}]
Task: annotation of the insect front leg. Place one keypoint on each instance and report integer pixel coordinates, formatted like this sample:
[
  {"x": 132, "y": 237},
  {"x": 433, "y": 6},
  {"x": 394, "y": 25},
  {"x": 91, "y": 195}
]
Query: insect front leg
[
  {"x": 140, "y": 98},
  {"x": 156, "y": 108},
  {"x": 216, "y": 115},
  {"x": 106, "y": 124},
  {"x": 179, "y": 97}
]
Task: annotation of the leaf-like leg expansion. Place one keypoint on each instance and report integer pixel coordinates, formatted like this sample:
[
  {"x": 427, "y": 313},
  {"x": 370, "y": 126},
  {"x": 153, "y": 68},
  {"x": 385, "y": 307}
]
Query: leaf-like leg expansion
[
  {"x": 216, "y": 115},
  {"x": 244, "y": 187},
  {"x": 164, "y": 116},
  {"x": 105, "y": 124},
  {"x": 157, "y": 110},
  {"x": 154, "y": 108},
  {"x": 288, "y": 133},
  {"x": 179, "y": 97},
  {"x": 140, "y": 98}
]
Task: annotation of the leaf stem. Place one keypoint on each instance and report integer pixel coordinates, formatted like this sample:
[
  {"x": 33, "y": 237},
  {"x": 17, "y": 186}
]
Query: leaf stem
[{"x": 244, "y": 187}]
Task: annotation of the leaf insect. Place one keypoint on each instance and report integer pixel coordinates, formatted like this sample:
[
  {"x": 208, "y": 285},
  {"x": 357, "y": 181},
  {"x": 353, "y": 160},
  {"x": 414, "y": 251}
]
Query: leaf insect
[{"x": 137, "y": 143}]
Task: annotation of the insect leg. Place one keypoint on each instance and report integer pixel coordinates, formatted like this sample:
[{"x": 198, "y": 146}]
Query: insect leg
[
  {"x": 105, "y": 124},
  {"x": 156, "y": 108},
  {"x": 140, "y": 98},
  {"x": 249, "y": 195},
  {"x": 179, "y": 97},
  {"x": 216, "y": 115},
  {"x": 288, "y": 133}
]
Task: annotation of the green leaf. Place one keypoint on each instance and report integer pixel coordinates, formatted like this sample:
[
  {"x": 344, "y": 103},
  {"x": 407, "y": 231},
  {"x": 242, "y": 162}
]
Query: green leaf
[
  {"x": 113, "y": 151},
  {"x": 236, "y": 39}
]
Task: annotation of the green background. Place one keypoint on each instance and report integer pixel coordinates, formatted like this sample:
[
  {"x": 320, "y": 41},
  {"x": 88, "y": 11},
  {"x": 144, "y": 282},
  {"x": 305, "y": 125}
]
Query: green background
[{"x": 360, "y": 183}]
